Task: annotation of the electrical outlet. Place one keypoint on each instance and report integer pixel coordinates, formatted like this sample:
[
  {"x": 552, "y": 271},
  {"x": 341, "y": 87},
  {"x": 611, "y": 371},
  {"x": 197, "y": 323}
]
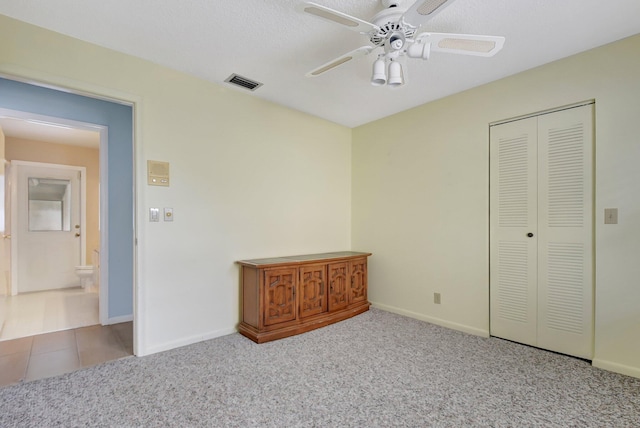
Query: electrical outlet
[
  {"x": 168, "y": 214},
  {"x": 436, "y": 298},
  {"x": 610, "y": 216}
]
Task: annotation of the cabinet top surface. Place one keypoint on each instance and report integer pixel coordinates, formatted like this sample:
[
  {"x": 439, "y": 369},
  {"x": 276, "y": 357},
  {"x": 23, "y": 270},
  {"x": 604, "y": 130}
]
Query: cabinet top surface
[{"x": 305, "y": 258}]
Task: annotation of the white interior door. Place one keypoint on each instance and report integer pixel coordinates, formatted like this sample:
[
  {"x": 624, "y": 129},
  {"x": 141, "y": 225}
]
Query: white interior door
[
  {"x": 514, "y": 216},
  {"x": 49, "y": 226},
  {"x": 565, "y": 224},
  {"x": 541, "y": 231}
]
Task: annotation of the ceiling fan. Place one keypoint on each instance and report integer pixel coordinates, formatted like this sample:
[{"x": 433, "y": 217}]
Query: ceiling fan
[{"x": 395, "y": 31}]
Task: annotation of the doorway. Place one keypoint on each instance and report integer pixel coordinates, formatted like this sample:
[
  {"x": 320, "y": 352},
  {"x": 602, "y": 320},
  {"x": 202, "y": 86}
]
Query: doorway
[
  {"x": 114, "y": 120},
  {"x": 49, "y": 231},
  {"x": 55, "y": 227}
]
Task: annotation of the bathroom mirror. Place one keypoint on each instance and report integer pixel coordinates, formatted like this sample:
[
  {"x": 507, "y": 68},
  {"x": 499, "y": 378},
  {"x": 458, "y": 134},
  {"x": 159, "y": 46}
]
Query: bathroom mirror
[{"x": 49, "y": 205}]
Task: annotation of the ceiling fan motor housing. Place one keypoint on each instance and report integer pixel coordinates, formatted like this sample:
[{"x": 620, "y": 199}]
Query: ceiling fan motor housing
[
  {"x": 391, "y": 3},
  {"x": 389, "y": 21}
]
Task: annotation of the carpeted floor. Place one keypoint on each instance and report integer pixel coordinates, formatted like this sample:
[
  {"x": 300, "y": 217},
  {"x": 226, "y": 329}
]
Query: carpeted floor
[{"x": 375, "y": 370}]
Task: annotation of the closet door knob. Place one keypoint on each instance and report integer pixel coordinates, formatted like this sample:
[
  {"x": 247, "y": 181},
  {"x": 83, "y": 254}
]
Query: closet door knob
[{"x": 530, "y": 235}]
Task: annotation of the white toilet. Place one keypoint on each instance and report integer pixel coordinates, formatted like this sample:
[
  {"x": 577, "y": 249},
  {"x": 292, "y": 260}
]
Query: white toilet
[{"x": 85, "y": 273}]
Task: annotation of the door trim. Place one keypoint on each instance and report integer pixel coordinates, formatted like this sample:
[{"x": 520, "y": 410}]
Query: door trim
[
  {"x": 79, "y": 87},
  {"x": 543, "y": 112}
]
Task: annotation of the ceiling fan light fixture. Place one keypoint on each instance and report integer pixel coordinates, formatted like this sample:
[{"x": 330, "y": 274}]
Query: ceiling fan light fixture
[
  {"x": 396, "y": 41},
  {"x": 395, "y": 31},
  {"x": 379, "y": 76},
  {"x": 396, "y": 75},
  {"x": 419, "y": 50}
]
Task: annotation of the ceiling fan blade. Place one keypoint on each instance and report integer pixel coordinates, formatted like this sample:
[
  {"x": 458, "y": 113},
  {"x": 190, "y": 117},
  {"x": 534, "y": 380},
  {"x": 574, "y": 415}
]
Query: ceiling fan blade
[
  {"x": 362, "y": 51},
  {"x": 423, "y": 10},
  {"x": 464, "y": 44},
  {"x": 328, "y": 14}
]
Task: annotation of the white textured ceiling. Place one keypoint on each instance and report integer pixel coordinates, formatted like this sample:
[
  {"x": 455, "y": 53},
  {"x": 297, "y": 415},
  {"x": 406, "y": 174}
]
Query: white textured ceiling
[
  {"x": 49, "y": 132},
  {"x": 269, "y": 41}
]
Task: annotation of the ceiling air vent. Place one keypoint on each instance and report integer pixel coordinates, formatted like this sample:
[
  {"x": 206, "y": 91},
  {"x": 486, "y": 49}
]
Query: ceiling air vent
[{"x": 238, "y": 80}]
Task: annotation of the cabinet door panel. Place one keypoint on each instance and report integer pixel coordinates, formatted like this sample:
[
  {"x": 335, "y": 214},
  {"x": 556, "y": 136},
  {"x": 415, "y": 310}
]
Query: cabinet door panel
[
  {"x": 313, "y": 297},
  {"x": 280, "y": 290},
  {"x": 358, "y": 289},
  {"x": 338, "y": 286}
]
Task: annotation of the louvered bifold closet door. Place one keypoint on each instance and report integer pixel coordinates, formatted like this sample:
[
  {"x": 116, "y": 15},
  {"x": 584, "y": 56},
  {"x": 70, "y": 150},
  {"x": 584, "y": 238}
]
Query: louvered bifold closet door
[
  {"x": 565, "y": 222},
  {"x": 513, "y": 215}
]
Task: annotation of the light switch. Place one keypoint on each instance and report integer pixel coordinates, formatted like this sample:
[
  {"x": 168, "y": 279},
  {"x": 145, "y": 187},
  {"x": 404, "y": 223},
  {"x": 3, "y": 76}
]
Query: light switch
[
  {"x": 610, "y": 216},
  {"x": 154, "y": 214},
  {"x": 168, "y": 214}
]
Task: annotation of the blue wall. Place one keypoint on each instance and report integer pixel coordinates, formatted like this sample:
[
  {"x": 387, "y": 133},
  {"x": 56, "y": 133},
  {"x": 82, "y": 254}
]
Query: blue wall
[{"x": 119, "y": 118}]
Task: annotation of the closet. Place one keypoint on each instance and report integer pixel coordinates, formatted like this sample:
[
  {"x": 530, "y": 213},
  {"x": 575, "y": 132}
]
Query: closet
[{"x": 541, "y": 230}]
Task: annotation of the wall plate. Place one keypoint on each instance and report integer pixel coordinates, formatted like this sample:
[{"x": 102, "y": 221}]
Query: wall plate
[
  {"x": 157, "y": 173},
  {"x": 610, "y": 216},
  {"x": 154, "y": 214},
  {"x": 168, "y": 214}
]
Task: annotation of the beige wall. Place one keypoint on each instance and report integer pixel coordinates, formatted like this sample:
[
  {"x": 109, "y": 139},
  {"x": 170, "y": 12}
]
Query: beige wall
[
  {"x": 64, "y": 154},
  {"x": 421, "y": 205},
  {"x": 248, "y": 179}
]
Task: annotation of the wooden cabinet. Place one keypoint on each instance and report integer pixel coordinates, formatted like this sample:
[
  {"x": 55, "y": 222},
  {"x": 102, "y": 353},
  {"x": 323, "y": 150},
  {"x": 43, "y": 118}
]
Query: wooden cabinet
[{"x": 284, "y": 296}]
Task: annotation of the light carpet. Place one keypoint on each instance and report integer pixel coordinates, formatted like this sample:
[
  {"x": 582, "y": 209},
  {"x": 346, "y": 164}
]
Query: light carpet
[{"x": 375, "y": 370}]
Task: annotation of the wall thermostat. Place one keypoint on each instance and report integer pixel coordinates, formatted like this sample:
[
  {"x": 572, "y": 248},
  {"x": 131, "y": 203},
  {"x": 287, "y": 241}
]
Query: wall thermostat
[{"x": 157, "y": 173}]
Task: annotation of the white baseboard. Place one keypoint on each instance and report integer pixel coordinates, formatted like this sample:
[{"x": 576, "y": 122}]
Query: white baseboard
[
  {"x": 615, "y": 367},
  {"x": 118, "y": 320},
  {"x": 186, "y": 341},
  {"x": 444, "y": 323}
]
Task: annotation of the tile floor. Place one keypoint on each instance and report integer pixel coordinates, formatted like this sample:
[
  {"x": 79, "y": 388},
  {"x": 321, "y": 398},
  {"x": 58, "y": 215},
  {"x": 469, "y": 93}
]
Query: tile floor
[
  {"x": 52, "y": 354},
  {"x": 46, "y": 311}
]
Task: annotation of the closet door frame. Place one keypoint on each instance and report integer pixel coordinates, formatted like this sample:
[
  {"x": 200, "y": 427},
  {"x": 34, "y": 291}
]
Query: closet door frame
[{"x": 560, "y": 318}]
